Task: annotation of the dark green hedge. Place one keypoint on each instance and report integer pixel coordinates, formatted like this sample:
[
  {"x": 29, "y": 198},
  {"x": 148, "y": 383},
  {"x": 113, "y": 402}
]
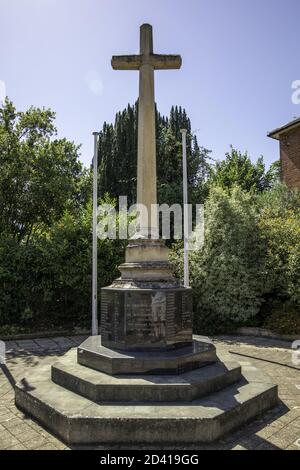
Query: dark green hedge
[{"x": 46, "y": 283}]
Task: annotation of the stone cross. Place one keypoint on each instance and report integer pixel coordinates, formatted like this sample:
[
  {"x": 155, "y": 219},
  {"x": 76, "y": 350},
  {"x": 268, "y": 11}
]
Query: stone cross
[{"x": 146, "y": 62}]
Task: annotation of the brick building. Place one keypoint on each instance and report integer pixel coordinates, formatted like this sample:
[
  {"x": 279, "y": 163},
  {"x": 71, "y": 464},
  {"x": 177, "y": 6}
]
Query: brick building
[{"x": 289, "y": 139}]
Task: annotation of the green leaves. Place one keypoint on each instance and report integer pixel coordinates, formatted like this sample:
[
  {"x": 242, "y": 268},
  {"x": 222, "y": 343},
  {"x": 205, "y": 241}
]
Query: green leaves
[
  {"x": 35, "y": 124},
  {"x": 118, "y": 157},
  {"x": 237, "y": 169},
  {"x": 47, "y": 283},
  {"x": 280, "y": 226},
  {"x": 251, "y": 254},
  {"x": 227, "y": 274},
  {"x": 250, "y": 259},
  {"x": 39, "y": 176}
]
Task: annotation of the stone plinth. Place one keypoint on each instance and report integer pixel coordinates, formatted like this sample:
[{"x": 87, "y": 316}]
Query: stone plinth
[
  {"x": 93, "y": 354},
  {"x": 138, "y": 319},
  {"x": 147, "y": 308},
  {"x": 146, "y": 320}
]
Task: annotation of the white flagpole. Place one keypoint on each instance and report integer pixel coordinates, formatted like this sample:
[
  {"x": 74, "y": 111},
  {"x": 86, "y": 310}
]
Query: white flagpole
[
  {"x": 185, "y": 210},
  {"x": 95, "y": 210}
]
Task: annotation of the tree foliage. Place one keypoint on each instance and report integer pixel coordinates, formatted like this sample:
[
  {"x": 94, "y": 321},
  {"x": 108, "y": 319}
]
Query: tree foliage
[
  {"x": 228, "y": 274},
  {"x": 118, "y": 157},
  {"x": 39, "y": 174},
  {"x": 47, "y": 282},
  {"x": 280, "y": 226},
  {"x": 249, "y": 267},
  {"x": 238, "y": 169},
  {"x": 251, "y": 255}
]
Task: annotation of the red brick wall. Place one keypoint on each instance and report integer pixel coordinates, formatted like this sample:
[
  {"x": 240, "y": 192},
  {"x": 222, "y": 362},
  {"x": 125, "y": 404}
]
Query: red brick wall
[{"x": 290, "y": 158}]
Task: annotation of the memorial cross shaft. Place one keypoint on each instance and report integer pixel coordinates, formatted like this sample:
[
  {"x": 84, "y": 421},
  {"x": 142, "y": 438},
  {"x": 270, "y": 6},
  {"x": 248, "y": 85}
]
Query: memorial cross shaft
[{"x": 146, "y": 62}]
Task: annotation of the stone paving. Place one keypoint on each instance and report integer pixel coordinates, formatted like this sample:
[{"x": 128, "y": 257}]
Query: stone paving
[{"x": 277, "y": 429}]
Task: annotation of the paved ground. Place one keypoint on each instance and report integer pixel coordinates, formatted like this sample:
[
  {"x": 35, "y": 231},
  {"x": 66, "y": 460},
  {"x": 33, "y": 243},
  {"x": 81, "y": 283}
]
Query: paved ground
[{"x": 278, "y": 429}]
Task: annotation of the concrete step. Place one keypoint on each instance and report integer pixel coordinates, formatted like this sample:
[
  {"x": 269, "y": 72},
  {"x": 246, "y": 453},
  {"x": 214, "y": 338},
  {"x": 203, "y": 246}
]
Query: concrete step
[
  {"x": 93, "y": 354},
  {"x": 100, "y": 387},
  {"x": 77, "y": 420}
]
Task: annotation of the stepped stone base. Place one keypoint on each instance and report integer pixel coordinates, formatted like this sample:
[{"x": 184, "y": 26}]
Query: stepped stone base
[
  {"x": 84, "y": 406},
  {"x": 92, "y": 354},
  {"x": 100, "y": 387}
]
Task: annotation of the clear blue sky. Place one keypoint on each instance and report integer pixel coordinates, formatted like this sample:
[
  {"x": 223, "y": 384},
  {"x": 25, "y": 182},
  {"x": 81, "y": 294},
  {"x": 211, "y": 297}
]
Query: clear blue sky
[{"x": 240, "y": 58}]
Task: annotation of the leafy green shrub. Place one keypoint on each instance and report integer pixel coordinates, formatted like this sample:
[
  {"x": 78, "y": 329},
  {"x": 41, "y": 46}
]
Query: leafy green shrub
[
  {"x": 228, "y": 273},
  {"x": 237, "y": 169},
  {"x": 248, "y": 271},
  {"x": 280, "y": 226},
  {"x": 283, "y": 319},
  {"x": 47, "y": 283}
]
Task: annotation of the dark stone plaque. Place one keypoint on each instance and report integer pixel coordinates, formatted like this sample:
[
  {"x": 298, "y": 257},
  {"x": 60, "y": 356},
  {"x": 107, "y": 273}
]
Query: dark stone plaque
[{"x": 146, "y": 318}]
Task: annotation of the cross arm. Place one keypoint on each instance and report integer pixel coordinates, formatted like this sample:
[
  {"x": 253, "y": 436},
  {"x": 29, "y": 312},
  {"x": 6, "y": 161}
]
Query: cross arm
[
  {"x": 126, "y": 62},
  {"x": 162, "y": 61},
  {"x": 134, "y": 62}
]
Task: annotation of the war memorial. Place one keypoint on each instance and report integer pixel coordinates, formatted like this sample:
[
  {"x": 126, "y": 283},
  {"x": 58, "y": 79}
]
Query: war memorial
[{"x": 146, "y": 378}]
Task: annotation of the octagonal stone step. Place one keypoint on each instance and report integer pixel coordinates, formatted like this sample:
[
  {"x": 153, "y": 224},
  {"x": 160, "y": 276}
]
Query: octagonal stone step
[
  {"x": 92, "y": 354},
  {"x": 100, "y": 387},
  {"x": 77, "y": 420}
]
